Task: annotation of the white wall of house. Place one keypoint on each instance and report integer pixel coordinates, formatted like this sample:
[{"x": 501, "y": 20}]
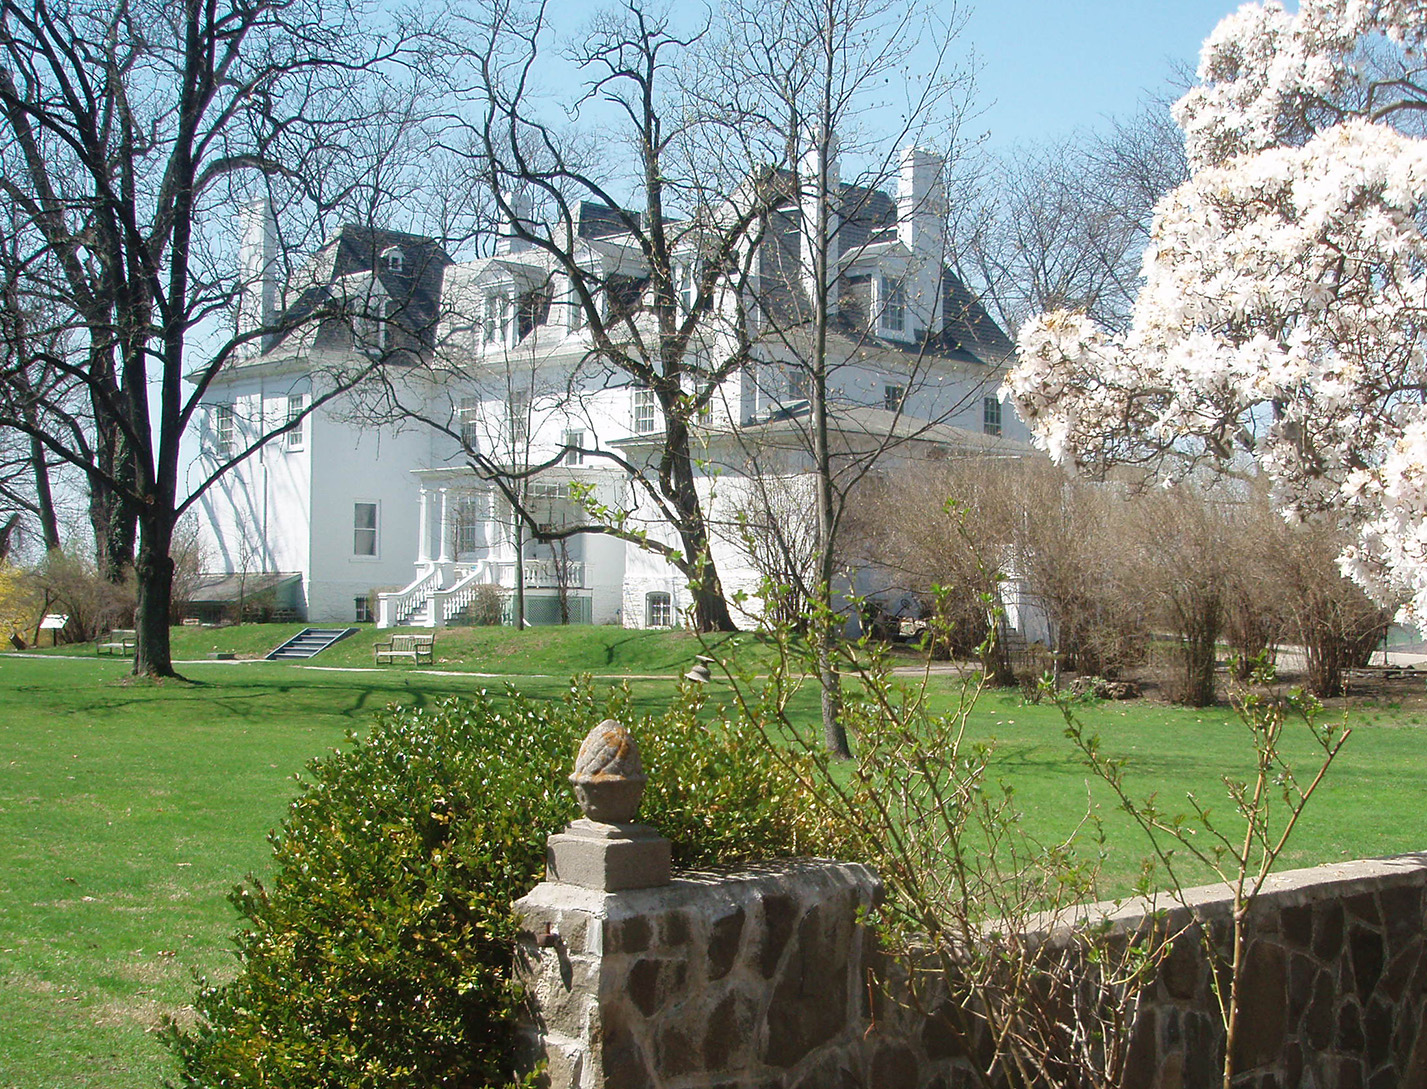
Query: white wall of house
[
  {"x": 257, "y": 517},
  {"x": 368, "y": 466},
  {"x": 291, "y": 505}
]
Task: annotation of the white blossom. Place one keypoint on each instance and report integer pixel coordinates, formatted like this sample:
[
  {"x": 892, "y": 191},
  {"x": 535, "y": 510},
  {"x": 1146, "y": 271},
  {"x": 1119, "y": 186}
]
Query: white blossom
[{"x": 1284, "y": 302}]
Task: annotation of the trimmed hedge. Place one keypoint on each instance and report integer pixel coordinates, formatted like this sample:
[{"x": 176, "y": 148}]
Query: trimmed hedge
[{"x": 379, "y": 953}]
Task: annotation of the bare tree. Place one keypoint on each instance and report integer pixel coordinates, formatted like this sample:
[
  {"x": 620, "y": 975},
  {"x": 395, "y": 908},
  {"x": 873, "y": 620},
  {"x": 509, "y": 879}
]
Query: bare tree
[
  {"x": 130, "y": 132},
  {"x": 1064, "y": 224},
  {"x": 667, "y": 317},
  {"x": 822, "y": 83}
]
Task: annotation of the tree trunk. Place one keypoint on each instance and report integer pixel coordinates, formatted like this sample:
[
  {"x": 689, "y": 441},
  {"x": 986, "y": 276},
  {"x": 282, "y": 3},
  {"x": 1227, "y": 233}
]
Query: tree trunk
[
  {"x": 824, "y": 620},
  {"x": 154, "y": 571},
  {"x": 519, "y": 572},
  {"x": 676, "y": 477},
  {"x": 711, "y": 611},
  {"x": 112, "y": 516}
]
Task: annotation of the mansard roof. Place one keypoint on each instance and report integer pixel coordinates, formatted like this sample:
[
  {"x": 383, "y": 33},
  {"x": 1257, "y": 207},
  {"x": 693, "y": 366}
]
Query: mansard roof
[{"x": 412, "y": 285}]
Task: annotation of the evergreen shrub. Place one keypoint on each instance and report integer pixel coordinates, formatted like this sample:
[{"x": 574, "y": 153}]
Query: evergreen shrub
[{"x": 379, "y": 951}]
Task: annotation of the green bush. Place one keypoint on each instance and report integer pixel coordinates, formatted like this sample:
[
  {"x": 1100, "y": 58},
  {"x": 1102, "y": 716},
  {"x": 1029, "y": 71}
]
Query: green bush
[{"x": 379, "y": 952}]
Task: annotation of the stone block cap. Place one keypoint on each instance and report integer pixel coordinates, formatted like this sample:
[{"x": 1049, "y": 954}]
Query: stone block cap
[{"x": 609, "y": 778}]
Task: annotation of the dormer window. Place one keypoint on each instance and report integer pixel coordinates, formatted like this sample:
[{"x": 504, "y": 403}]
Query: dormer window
[
  {"x": 893, "y": 318},
  {"x": 622, "y": 295},
  {"x": 991, "y": 415},
  {"x": 496, "y": 329},
  {"x": 393, "y": 260},
  {"x": 532, "y": 309}
]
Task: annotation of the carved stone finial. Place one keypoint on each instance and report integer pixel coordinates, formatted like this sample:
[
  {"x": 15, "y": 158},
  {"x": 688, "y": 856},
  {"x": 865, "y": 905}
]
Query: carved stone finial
[{"x": 609, "y": 778}]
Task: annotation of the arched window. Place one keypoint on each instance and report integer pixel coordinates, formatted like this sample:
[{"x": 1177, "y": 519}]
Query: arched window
[
  {"x": 393, "y": 260},
  {"x": 658, "y": 610}
]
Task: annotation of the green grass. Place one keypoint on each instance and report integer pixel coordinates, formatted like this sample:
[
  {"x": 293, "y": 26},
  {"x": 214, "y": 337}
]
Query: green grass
[
  {"x": 553, "y": 651},
  {"x": 128, "y": 809}
]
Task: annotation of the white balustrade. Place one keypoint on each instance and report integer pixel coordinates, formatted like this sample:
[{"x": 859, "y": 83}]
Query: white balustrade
[{"x": 393, "y": 608}]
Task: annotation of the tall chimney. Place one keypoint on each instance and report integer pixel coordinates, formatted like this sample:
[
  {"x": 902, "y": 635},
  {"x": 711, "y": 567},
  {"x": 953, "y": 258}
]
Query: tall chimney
[
  {"x": 519, "y": 205},
  {"x": 257, "y": 272},
  {"x": 921, "y": 227}
]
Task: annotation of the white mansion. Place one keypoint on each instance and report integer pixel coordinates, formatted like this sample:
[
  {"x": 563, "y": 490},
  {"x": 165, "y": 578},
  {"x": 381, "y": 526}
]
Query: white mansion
[{"x": 384, "y": 515}]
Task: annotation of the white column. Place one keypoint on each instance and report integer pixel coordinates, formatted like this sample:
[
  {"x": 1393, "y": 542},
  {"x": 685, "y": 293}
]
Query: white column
[
  {"x": 445, "y": 556},
  {"x": 423, "y": 537}
]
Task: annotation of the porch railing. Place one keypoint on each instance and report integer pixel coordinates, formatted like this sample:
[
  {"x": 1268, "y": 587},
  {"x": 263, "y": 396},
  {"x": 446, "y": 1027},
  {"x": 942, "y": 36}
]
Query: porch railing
[{"x": 393, "y": 608}]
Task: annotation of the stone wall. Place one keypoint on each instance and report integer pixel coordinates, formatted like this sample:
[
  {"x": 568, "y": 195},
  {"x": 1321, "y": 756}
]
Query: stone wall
[{"x": 760, "y": 979}]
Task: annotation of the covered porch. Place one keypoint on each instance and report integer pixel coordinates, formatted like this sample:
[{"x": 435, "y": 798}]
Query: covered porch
[{"x": 470, "y": 543}]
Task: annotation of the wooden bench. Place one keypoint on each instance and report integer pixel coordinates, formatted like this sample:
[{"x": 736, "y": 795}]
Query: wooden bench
[
  {"x": 419, "y": 648},
  {"x": 119, "y": 641}
]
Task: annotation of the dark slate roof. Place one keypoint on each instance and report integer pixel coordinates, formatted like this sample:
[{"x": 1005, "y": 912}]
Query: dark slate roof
[
  {"x": 865, "y": 215},
  {"x": 415, "y": 289},
  {"x": 967, "y": 327},
  {"x": 601, "y": 221}
]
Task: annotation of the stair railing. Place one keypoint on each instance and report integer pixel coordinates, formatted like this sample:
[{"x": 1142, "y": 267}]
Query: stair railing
[{"x": 393, "y": 608}]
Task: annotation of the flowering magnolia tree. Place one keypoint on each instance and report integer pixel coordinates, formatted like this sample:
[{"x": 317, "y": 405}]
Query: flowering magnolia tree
[{"x": 1284, "y": 302}]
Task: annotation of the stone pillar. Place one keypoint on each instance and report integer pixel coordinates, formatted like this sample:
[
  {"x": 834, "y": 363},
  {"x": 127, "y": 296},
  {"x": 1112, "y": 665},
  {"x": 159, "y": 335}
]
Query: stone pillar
[
  {"x": 423, "y": 533},
  {"x": 445, "y": 556},
  {"x": 636, "y": 980},
  {"x": 734, "y": 979}
]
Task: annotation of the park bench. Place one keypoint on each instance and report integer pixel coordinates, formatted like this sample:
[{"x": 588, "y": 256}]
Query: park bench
[
  {"x": 418, "y": 648},
  {"x": 117, "y": 641}
]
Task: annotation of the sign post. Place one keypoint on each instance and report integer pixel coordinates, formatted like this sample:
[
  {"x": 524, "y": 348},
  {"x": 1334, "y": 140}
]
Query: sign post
[{"x": 54, "y": 623}]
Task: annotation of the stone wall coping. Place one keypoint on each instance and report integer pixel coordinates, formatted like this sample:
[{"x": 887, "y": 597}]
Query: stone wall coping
[
  {"x": 735, "y": 883},
  {"x": 1287, "y": 888}
]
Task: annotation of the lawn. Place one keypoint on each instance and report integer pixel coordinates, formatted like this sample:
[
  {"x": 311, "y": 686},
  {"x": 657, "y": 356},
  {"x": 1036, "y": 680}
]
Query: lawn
[
  {"x": 557, "y": 652},
  {"x": 129, "y": 809}
]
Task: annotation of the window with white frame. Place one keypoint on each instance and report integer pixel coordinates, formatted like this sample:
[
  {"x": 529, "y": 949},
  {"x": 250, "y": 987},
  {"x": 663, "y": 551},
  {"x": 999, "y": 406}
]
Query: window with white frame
[
  {"x": 800, "y": 383},
  {"x": 894, "y": 305},
  {"x": 362, "y": 609},
  {"x": 468, "y": 417},
  {"x": 393, "y": 259},
  {"x": 497, "y": 324},
  {"x": 645, "y": 411},
  {"x": 574, "y": 441},
  {"x": 224, "y": 430},
  {"x": 467, "y": 522},
  {"x": 991, "y": 415},
  {"x": 893, "y": 396},
  {"x": 295, "y": 404},
  {"x": 364, "y": 529},
  {"x": 658, "y": 610}
]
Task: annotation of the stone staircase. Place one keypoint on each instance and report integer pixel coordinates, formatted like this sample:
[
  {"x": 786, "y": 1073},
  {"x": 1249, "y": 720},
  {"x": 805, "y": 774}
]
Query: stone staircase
[
  {"x": 307, "y": 642},
  {"x": 419, "y": 617}
]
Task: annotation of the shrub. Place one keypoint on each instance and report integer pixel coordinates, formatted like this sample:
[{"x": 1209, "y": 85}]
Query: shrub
[
  {"x": 487, "y": 605},
  {"x": 379, "y": 952},
  {"x": 68, "y": 582},
  {"x": 19, "y": 604}
]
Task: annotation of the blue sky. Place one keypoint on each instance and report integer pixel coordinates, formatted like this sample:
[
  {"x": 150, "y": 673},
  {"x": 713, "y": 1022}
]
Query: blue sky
[{"x": 1051, "y": 66}]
